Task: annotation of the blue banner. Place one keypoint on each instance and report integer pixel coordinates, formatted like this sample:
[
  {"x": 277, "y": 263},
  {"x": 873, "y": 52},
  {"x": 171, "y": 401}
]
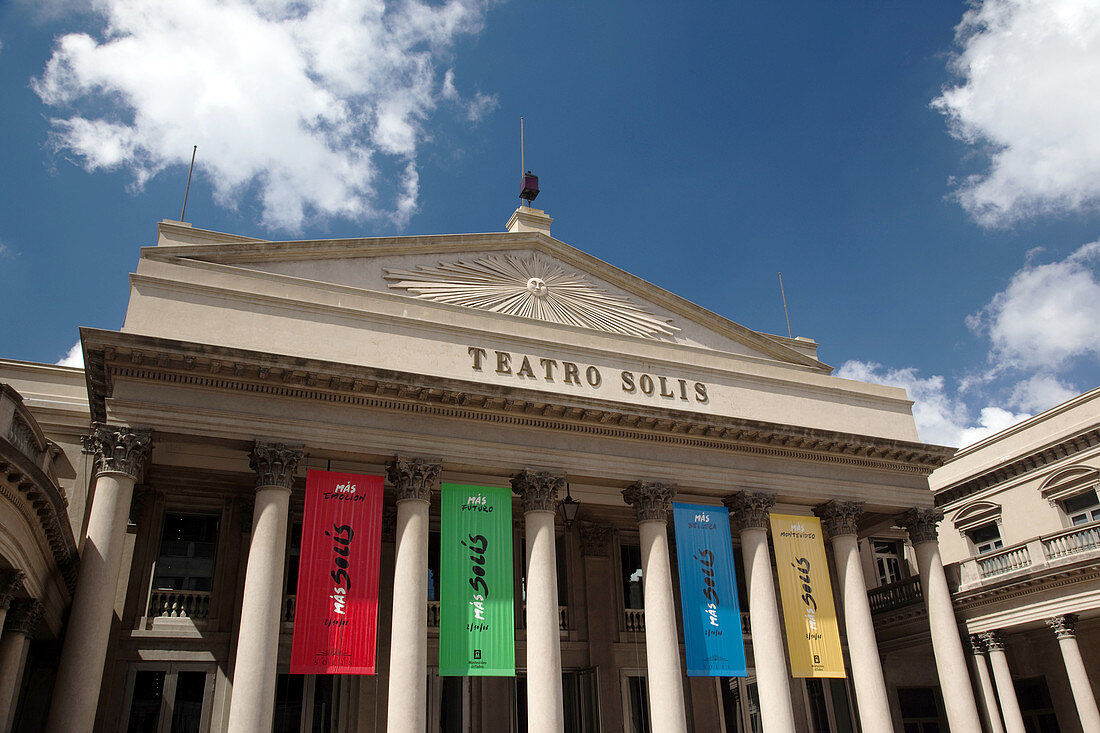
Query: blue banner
[{"x": 713, "y": 639}]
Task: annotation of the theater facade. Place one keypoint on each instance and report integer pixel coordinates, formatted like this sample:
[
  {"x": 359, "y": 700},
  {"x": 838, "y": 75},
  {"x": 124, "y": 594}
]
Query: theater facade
[{"x": 504, "y": 359}]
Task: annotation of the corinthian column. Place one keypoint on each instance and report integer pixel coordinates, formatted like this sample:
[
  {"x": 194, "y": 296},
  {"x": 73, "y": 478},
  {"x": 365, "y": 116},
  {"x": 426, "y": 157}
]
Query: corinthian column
[
  {"x": 539, "y": 492},
  {"x": 841, "y": 520},
  {"x": 252, "y": 706},
  {"x": 652, "y": 503},
  {"x": 10, "y": 582},
  {"x": 992, "y": 711},
  {"x": 19, "y": 627},
  {"x": 1065, "y": 628},
  {"x": 121, "y": 455},
  {"x": 962, "y": 712},
  {"x": 1002, "y": 677},
  {"x": 412, "y": 480},
  {"x": 750, "y": 513}
]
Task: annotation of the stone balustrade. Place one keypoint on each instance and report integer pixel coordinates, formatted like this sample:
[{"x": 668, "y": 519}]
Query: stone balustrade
[
  {"x": 1064, "y": 547},
  {"x": 893, "y": 596},
  {"x": 167, "y": 603}
]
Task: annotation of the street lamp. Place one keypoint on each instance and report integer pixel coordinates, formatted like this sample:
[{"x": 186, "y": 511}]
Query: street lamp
[{"x": 568, "y": 507}]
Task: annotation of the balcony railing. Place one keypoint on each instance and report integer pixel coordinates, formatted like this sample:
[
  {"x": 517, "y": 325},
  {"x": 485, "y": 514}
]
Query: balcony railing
[
  {"x": 192, "y": 604},
  {"x": 1064, "y": 546},
  {"x": 635, "y": 619},
  {"x": 895, "y": 595}
]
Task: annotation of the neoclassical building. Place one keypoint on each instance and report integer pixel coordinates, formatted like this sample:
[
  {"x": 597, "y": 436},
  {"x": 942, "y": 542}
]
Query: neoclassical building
[{"x": 504, "y": 359}]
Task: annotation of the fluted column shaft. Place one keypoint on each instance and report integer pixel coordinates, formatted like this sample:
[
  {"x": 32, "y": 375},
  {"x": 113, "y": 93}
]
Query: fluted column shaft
[
  {"x": 252, "y": 707},
  {"x": 652, "y": 503},
  {"x": 545, "y": 711},
  {"x": 20, "y": 624},
  {"x": 840, "y": 519},
  {"x": 1002, "y": 678},
  {"x": 962, "y": 710},
  {"x": 990, "y": 708},
  {"x": 121, "y": 455},
  {"x": 750, "y": 514},
  {"x": 1065, "y": 628},
  {"x": 412, "y": 481}
]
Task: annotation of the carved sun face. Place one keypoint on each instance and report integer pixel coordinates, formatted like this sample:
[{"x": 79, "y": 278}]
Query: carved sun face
[
  {"x": 529, "y": 287},
  {"x": 537, "y": 287}
]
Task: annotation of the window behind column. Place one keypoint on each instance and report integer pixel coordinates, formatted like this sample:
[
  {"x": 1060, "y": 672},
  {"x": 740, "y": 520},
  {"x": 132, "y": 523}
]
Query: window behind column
[
  {"x": 888, "y": 557},
  {"x": 921, "y": 710},
  {"x": 187, "y": 549},
  {"x": 169, "y": 698},
  {"x": 630, "y": 557}
]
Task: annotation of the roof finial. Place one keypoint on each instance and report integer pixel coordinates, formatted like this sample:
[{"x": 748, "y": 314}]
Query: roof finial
[{"x": 529, "y": 182}]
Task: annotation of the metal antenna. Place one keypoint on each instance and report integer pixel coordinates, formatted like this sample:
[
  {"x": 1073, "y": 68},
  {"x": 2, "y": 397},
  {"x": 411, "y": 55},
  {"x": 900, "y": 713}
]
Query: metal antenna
[
  {"x": 522, "y": 162},
  {"x": 785, "y": 314},
  {"x": 188, "y": 189}
]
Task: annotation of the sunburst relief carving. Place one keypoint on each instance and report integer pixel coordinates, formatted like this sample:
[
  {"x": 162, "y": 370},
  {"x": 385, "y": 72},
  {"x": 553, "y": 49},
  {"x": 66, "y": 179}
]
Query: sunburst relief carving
[{"x": 529, "y": 287}]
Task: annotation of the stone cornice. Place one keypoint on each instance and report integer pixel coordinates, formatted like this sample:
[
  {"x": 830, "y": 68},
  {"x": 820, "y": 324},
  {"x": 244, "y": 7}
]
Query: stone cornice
[
  {"x": 538, "y": 489},
  {"x": 212, "y": 367},
  {"x": 1026, "y": 589},
  {"x": 413, "y": 478},
  {"x": 1032, "y": 461}
]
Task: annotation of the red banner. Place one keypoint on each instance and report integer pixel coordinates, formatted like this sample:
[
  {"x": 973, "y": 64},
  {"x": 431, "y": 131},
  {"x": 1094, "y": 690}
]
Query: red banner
[{"x": 336, "y": 611}]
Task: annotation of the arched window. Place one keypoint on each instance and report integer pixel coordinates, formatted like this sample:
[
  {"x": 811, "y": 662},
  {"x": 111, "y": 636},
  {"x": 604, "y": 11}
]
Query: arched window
[
  {"x": 980, "y": 522},
  {"x": 1074, "y": 491}
]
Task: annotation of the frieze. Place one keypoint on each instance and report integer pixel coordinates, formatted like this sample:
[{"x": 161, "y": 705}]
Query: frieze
[
  {"x": 413, "y": 478},
  {"x": 274, "y": 464},
  {"x": 750, "y": 509},
  {"x": 119, "y": 449},
  {"x": 538, "y": 489},
  {"x": 840, "y": 517},
  {"x": 652, "y": 501}
]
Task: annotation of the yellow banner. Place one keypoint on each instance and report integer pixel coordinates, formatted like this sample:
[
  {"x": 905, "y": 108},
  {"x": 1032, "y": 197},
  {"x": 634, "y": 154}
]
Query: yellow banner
[{"x": 812, "y": 634}]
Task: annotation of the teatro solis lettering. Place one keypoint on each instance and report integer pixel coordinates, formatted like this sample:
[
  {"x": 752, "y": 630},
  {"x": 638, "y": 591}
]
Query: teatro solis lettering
[{"x": 524, "y": 367}]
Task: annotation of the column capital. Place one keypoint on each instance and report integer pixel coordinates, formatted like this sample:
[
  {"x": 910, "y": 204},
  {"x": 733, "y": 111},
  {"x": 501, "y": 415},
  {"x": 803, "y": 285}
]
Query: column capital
[
  {"x": 992, "y": 640},
  {"x": 921, "y": 524},
  {"x": 840, "y": 517},
  {"x": 538, "y": 489},
  {"x": 595, "y": 539},
  {"x": 274, "y": 464},
  {"x": 10, "y": 582},
  {"x": 750, "y": 509},
  {"x": 119, "y": 449},
  {"x": 651, "y": 500},
  {"x": 413, "y": 478},
  {"x": 24, "y": 616},
  {"x": 1064, "y": 626},
  {"x": 977, "y": 646}
]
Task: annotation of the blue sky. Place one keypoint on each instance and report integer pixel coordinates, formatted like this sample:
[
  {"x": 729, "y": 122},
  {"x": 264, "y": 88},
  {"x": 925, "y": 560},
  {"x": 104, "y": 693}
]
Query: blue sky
[{"x": 925, "y": 175}]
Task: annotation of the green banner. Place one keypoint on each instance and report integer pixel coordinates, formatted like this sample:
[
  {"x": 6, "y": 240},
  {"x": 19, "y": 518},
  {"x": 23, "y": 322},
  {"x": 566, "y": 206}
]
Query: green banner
[{"x": 477, "y": 635}]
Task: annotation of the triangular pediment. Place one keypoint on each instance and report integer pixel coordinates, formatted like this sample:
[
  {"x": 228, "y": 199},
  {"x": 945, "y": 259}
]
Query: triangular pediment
[{"x": 527, "y": 276}]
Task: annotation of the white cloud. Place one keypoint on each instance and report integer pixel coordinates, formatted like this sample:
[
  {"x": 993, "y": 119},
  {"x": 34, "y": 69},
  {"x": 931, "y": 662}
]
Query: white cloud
[
  {"x": 5, "y": 251},
  {"x": 1026, "y": 97},
  {"x": 74, "y": 357},
  {"x": 941, "y": 418},
  {"x": 1048, "y": 314},
  {"x": 481, "y": 105},
  {"x": 1041, "y": 392},
  {"x": 312, "y": 104}
]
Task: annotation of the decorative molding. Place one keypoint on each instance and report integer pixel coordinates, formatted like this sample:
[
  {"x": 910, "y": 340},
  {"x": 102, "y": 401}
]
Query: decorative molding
[
  {"x": 921, "y": 524},
  {"x": 1065, "y": 448},
  {"x": 750, "y": 509},
  {"x": 538, "y": 489},
  {"x": 274, "y": 464},
  {"x": 1064, "y": 626},
  {"x": 24, "y": 616},
  {"x": 10, "y": 582},
  {"x": 992, "y": 640},
  {"x": 119, "y": 449},
  {"x": 595, "y": 539},
  {"x": 652, "y": 500},
  {"x": 529, "y": 287},
  {"x": 840, "y": 517},
  {"x": 413, "y": 478},
  {"x": 455, "y": 399}
]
